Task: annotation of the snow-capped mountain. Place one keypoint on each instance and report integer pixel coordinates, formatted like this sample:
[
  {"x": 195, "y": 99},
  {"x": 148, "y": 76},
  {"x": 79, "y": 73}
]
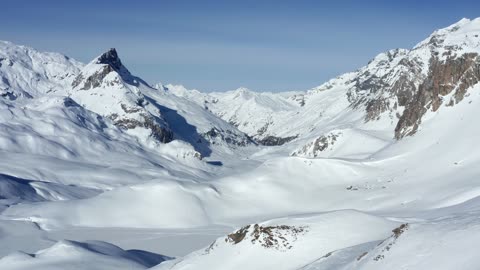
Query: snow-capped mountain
[
  {"x": 26, "y": 72},
  {"x": 374, "y": 169},
  {"x": 106, "y": 87},
  {"x": 388, "y": 98},
  {"x": 252, "y": 112},
  {"x": 61, "y": 118}
]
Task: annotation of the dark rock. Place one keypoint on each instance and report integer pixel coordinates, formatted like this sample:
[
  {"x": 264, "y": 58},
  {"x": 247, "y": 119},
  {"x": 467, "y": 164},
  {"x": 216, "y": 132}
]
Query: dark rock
[
  {"x": 110, "y": 58},
  {"x": 444, "y": 76},
  {"x": 275, "y": 237},
  {"x": 237, "y": 236},
  {"x": 111, "y": 63},
  {"x": 400, "y": 230},
  {"x": 275, "y": 141},
  {"x": 405, "y": 85},
  {"x": 159, "y": 132},
  {"x": 313, "y": 149},
  {"x": 215, "y": 134},
  {"x": 94, "y": 80}
]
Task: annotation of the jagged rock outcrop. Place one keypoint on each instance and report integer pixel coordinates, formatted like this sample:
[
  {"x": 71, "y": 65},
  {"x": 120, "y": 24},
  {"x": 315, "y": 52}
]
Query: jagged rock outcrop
[
  {"x": 314, "y": 148},
  {"x": 452, "y": 75},
  {"x": 111, "y": 58},
  {"x": 216, "y": 135},
  {"x": 385, "y": 84},
  {"x": 279, "y": 237},
  {"x": 275, "y": 141},
  {"x": 94, "y": 80},
  {"x": 406, "y": 84}
]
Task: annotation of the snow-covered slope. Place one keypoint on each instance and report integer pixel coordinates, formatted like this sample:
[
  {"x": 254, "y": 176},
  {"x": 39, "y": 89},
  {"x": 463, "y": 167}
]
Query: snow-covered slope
[
  {"x": 26, "y": 72},
  {"x": 82, "y": 255},
  {"x": 287, "y": 243},
  {"x": 374, "y": 169},
  {"x": 252, "y": 112}
]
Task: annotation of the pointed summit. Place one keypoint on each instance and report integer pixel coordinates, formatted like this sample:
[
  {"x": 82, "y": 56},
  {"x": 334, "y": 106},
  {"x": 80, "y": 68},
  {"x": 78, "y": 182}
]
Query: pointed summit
[
  {"x": 110, "y": 58},
  {"x": 461, "y": 37},
  {"x": 94, "y": 74}
]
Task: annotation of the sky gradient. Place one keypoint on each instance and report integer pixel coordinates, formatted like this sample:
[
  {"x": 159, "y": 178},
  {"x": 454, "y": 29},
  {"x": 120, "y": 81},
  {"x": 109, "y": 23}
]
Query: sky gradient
[{"x": 223, "y": 45}]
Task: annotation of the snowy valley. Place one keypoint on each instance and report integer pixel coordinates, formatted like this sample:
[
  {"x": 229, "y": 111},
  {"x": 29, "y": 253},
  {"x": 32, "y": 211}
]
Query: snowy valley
[{"x": 374, "y": 169}]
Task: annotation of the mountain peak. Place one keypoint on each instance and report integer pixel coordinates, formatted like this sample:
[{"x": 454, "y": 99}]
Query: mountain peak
[
  {"x": 93, "y": 74},
  {"x": 455, "y": 40},
  {"x": 242, "y": 90},
  {"x": 111, "y": 58},
  {"x": 463, "y": 26},
  {"x": 461, "y": 22}
]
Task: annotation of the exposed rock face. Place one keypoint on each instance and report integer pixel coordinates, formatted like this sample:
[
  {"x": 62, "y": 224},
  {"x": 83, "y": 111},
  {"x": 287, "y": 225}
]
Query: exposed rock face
[
  {"x": 388, "y": 244},
  {"x": 405, "y": 85},
  {"x": 279, "y": 237},
  {"x": 444, "y": 77},
  {"x": 94, "y": 80},
  {"x": 161, "y": 134},
  {"x": 316, "y": 147},
  {"x": 111, "y": 58},
  {"x": 300, "y": 98},
  {"x": 216, "y": 135},
  {"x": 108, "y": 62},
  {"x": 238, "y": 236},
  {"x": 275, "y": 141},
  {"x": 392, "y": 85}
]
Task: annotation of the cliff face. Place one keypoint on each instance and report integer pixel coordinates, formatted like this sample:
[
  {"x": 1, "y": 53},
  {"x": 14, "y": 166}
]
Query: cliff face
[
  {"x": 407, "y": 84},
  {"x": 452, "y": 76}
]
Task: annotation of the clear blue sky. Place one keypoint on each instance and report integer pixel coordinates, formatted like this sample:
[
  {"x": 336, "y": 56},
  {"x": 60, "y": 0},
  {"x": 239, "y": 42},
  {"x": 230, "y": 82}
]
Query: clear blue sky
[{"x": 222, "y": 45}]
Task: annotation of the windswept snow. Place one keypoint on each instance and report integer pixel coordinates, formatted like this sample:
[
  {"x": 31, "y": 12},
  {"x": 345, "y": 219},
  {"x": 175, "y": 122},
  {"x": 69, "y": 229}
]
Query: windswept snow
[
  {"x": 77, "y": 255},
  {"x": 287, "y": 243},
  {"x": 327, "y": 178}
]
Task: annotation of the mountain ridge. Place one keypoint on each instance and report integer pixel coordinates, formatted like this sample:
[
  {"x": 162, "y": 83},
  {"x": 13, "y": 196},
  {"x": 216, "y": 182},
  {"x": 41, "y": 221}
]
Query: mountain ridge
[
  {"x": 374, "y": 169},
  {"x": 400, "y": 85}
]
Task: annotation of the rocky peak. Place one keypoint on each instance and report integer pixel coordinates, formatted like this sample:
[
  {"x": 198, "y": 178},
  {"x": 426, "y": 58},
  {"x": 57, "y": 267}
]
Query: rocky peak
[
  {"x": 93, "y": 75},
  {"x": 110, "y": 58},
  {"x": 388, "y": 57},
  {"x": 106, "y": 87},
  {"x": 454, "y": 75},
  {"x": 404, "y": 85}
]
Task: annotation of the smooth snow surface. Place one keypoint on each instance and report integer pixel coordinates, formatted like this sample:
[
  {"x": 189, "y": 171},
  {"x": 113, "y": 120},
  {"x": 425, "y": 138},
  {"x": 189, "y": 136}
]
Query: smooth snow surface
[{"x": 86, "y": 183}]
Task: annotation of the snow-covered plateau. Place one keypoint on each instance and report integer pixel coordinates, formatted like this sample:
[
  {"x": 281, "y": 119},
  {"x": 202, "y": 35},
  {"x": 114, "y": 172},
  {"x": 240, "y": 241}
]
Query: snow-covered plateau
[{"x": 375, "y": 169}]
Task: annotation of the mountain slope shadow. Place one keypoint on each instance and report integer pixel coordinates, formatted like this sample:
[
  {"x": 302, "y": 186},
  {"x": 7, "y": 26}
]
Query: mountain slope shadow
[
  {"x": 182, "y": 129},
  {"x": 12, "y": 187},
  {"x": 15, "y": 189}
]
